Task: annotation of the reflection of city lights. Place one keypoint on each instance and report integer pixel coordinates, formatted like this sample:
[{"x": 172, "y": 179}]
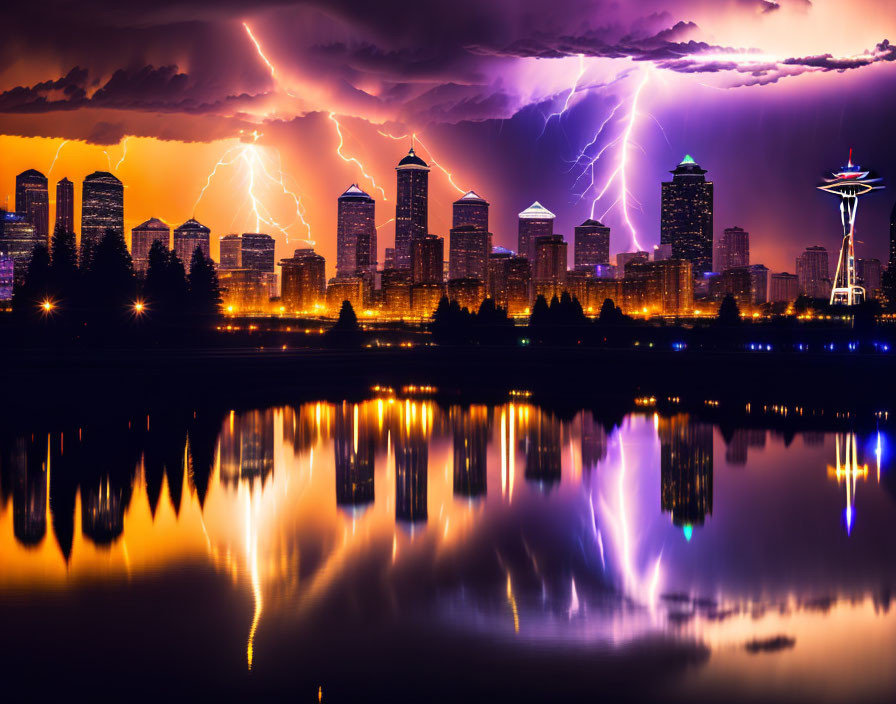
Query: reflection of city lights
[{"x": 848, "y": 471}]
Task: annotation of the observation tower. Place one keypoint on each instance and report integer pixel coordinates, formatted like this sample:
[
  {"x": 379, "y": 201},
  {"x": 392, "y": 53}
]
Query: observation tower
[{"x": 849, "y": 183}]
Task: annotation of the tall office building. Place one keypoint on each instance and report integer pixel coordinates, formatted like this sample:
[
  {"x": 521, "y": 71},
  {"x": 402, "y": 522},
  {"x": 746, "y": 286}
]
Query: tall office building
[
  {"x": 411, "y": 206},
  {"x": 427, "y": 259},
  {"x": 304, "y": 281},
  {"x": 592, "y": 244},
  {"x": 468, "y": 250},
  {"x": 733, "y": 249},
  {"x": 231, "y": 252},
  {"x": 549, "y": 275},
  {"x": 257, "y": 252},
  {"x": 535, "y": 221},
  {"x": 33, "y": 202},
  {"x": 738, "y": 283},
  {"x": 758, "y": 283},
  {"x": 102, "y": 208},
  {"x": 142, "y": 238},
  {"x": 65, "y": 205},
  {"x": 470, "y": 210},
  {"x": 188, "y": 237},
  {"x": 509, "y": 280},
  {"x": 623, "y": 259},
  {"x": 355, "y": 233},
  {"x": 892, "y": 263},
  {"x": 783, "y": 287},
  {"x": 666, "y": 286},
  {"x": 686, "y": 470},
  {"x": 686, "y": 220},
  {"x": 868, "y": 272},
  {"x": 17, "y": 242},
  {"x": 814, "y": 273}
]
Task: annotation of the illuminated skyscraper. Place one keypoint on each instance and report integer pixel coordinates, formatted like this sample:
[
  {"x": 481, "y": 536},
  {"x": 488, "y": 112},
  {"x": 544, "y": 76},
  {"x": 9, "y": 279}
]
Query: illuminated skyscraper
[
  {"x": 849, "y": 183},
  {"x": 783, "y": 288},
  {"x": 686, "y": 469},
  {"x": 231, "y": 252},
  {"x": 33, "y": 202},
  {"x": 355, "y": 233},
  {"x": 667, "y": 286},
  {"x": 188, "y": 237},
  {"x": 102, "y": 209},
  {"x": 868, "y": 274},
  {"x": 509, "y": 280},
  {"x": 257, "y": 252},
  {"x": 470, "y": 210},
  {"x": 142, "y": 237},
  {"x": 17, "y": 242},
  {"x": 411, "y": 206},
  {"x": 892, "y": 263},
  {"x": 549, "y": 274},
  {"x": 686, "y": 220},
  {"x": 813, "y": 272},
  {"x": 733, "y": 249},
  {"x": 592, "y": 244},
  {"x": 304, "y": 281},
  {"x": 427, "y": 259},
  {"x": 535, "y": 221},
  {"x": 468, "y": 250},
  {"x": 65, "y": 205}
]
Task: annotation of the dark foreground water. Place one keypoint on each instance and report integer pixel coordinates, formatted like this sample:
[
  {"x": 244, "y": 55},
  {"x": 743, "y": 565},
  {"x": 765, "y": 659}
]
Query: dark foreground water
[{"x": 401, "y": 549}]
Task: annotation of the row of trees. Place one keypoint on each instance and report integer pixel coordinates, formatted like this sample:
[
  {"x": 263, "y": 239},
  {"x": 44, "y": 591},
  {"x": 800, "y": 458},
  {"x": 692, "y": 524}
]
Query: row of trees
[{"x": 102, "y": 292}]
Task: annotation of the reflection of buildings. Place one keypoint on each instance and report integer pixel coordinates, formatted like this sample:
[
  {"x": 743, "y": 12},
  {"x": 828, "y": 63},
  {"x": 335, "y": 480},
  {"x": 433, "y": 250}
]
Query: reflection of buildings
[
  {"x": 411, "y": 462},
  {"x": 848, "y": 470},
  {"x": 103, "y": 503},
  {"x": 741, "y": 439},
  {"x": 470, "y": 429},
  {"x": 686, "y": 466},
  {"x": 543, "y": 448},
  {"x": 594, "y": 442},
  {"x": 29, "y": 498},
  {"x": 246, "y": 446},
  {"x": 353, "y": 449}
]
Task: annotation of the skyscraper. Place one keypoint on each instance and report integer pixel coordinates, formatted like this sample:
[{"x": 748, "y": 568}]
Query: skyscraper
[
  {"x": 470, "y": 210},
  {"x": 257, "y": 252},
  {"x": 667, "y": 285},
  {"x": 17, "y": 242},
  {"x": 355, "y": 233},
  {"x": 411, "y": 207},
  {"x": 65, "y": 205},
  {"x": 892, "y": 263},
  {"x": 427, "y": 257},
  {"x": 102, "y": 208},
  {"x": 304, "y": 281},
  {"x": 33, "y": 202},
  {"x": 231, "y": 252},
  {"x": 535, "y": 221},
  {"x": 142, "y": 237},
  {"x": 468, "y": 250},
  {"x": 733, "y": 249},
  {"x": 550, "y": 266},
  {"x": 188, "y": 237},
  {"x": 759, "y": 283},
  {"x": 868, "y": 273},
  {"x": 784, "y": 287},
  {"x": 686, "y": 220},
  {"x": 814, "y": 273},
  {"x": 509, "y": 281},
  {"x": 592, "y": 244}
]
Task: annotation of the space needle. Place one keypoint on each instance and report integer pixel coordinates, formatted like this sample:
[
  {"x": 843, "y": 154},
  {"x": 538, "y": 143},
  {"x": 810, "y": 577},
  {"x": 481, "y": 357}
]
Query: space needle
[{"x": 849, "y": 183}]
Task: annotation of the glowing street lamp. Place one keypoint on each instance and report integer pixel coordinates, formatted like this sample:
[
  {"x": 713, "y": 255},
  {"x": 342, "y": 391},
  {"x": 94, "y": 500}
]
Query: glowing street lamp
[
  {"x": 139, "y": 307},
  {"x": 47, "y": 306}
]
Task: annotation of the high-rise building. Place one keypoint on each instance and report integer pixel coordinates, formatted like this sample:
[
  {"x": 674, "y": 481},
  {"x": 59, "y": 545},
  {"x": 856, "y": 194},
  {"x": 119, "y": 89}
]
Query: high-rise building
[
  {"x": 188, "y": 237},
  {"x": 509, "y": 281},
  {"x": 304, "y": 280},
  {"x": 737, "y": 282},
  {"x": 868, "y": 272},
  {"x": 347, "y": 288},
  {"x": 470, "y": 210},
  {"x": 784, "y": 287},
  {"x": 142, "y": 237},
  {"x": 468, "y": 250},
  {"x": 623, "y": 259},
  {"x": 759, "y": 283},
  {"x": 411, "y": 206},
  {"x": 17, "y": 242},
  {"x": 892, "y": 263},
  {"x": 661, "y": 252},
  {"x": 7, "y": 275},
  {"x": 549, "y": 275},
  {"x": 427, "y": 257},
  {"x": 468, "y": 293},
  {"x": 65, "y": 205},
  {"x": 592, "y": 244},
  {"x": 257, "y": 251},
  {"x": 535, "y": 221},
  {"x": 245, "y": 290},
  {"x": 733, "y": 249},
  {"x": 814, "y": 273},
  {"x": 33, "y": 202},
  {"x": 686, "y": 470},
  {"x": 102, "y": 208},
  {"x": 396, "y": 292},
  {"x": 231, "y": 252},
  {"x": 355, "y": 233},
  {"x": 667, "y": 286},
  {"x": 686, "y": 220}
]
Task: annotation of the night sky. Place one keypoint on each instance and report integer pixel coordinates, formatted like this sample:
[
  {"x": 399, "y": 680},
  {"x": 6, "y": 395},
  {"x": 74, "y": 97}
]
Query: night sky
[{"x": 504, "y": 94}]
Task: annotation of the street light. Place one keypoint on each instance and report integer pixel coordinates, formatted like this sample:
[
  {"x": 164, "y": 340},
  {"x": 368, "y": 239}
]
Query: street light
[
  {"x": 139, "y": 307},
  {"x": 47, "y": 305}
]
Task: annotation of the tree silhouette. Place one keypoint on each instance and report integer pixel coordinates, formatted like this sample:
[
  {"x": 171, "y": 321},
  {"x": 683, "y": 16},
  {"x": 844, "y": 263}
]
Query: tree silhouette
[
  {"x": 491, "y": 325},
  {"x": 165, "y": 288},
  {"x": 610, "y": 313},
  {"x": 450, "y": 324},
  {"x": 35, "y": 289},
  {"x": 729, "y": 313},
  {"x": 346, "y": 332},
  {"x": 109, "y": 283},
  {"x": 204, "y": 292}
]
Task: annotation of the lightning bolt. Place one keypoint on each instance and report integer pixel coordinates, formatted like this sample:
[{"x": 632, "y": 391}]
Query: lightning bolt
[
  {"x": 351, "y": 159},
  {"x": 385, "y": 223},
  {"x": 575, "y": 86},
  {"x": 415, "y": 140},
  {"x": 261, "y": 52},
  {"x": 56, "y": 158},
  {"x": 124, "y": 152}
]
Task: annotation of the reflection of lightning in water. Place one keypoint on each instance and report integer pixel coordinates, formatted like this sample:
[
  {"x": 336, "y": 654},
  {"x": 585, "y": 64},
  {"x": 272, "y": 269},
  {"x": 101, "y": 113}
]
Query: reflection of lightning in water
[
  {"x": 351, "y": 159},
  {"x": 56, "y": 157},
  {"x": 258, "y": 174},
  {"x": 575, "y": 86}
]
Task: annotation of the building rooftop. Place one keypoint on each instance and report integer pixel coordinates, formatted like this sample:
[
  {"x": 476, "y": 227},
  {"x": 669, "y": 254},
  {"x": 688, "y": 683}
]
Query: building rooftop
[
  {"x": 413, "y": 160},
  {"x": 193, "y": 224},
  {"x": 536, "y": 211},
  {"x": 592, "y": 223},
  {"x": 471, "y": 197},
  {"x": 32, "y": 174},
  {"x": 354, "y": 192},
  {"x": 152, "y": 224},
  {"x": 101, "y": 176}
]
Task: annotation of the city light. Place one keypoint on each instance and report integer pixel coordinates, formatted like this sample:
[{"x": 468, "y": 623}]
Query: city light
[{"x": 47, "y": 305}]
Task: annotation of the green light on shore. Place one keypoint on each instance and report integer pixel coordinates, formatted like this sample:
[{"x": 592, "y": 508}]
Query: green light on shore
[{"x": 688, "y": 531}]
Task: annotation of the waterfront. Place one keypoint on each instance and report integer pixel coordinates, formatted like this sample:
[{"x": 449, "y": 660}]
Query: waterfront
[{"x": 404, "y": 546}]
